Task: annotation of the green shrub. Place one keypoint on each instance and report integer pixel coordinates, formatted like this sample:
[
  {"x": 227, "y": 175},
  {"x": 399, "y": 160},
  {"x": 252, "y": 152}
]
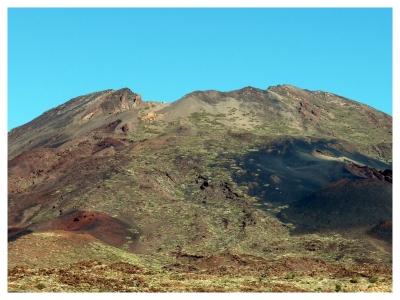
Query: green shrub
[
  {"x": 354, "y": 280},
  {"x": 373, "y": 280},
  {"x": 290, "y": 276},
  {"x": 40, "y": 286},
  {"x": 338, "y": 287}
]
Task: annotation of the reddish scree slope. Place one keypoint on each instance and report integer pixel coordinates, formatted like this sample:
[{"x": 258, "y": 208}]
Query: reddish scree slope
[{"x": 105, "y": 228}]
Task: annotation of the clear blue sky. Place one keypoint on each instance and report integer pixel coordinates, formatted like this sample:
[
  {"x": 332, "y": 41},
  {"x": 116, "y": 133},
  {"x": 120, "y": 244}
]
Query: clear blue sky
[{"x": 56, "y": 54}]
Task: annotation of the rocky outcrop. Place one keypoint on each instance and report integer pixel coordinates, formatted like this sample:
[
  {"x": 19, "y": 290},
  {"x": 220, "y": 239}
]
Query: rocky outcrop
[
  {"x": 125, "y": 128},
  {"x": 308, "y": 110},
  {"x": 120, "y": 101},
  {"x": 368, "y": 172}
]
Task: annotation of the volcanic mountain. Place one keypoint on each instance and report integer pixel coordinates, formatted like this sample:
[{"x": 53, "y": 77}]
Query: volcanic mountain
[{"x": 212, "y": 176}]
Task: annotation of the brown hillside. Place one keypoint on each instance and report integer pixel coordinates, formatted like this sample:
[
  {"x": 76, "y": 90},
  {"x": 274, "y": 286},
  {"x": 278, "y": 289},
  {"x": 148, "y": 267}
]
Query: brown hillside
[{"x": 272, "y": 190}]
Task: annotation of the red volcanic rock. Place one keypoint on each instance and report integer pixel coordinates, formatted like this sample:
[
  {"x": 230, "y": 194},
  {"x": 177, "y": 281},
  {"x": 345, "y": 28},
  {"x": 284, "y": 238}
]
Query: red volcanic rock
[
  {"x": 304, "y": 103},
  {"x": 107, "y": 142},
  {"x": 78, "y": 221},
  {"x": 303, "y": 111},
  {"x": 368, "y": 172},
  {"x": 306, "y": 108},
  {"x": 103, "y": 227},
  {"x": 110, "y": 127}
]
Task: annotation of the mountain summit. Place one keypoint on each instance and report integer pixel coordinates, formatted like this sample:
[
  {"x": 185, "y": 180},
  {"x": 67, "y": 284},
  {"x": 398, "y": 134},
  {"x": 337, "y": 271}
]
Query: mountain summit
[
  {"x": 282, "y": 109},
  {"x": 71, "y": 119},
  {"x": 268, "y": 182}
]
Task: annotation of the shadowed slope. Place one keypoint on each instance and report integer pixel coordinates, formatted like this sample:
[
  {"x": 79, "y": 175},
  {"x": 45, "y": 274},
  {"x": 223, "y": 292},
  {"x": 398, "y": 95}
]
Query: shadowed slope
[
  {"x": 287, "y": 169},
  {"x": 344, "y": 203},
  {"x": 383, "y": 231}
]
